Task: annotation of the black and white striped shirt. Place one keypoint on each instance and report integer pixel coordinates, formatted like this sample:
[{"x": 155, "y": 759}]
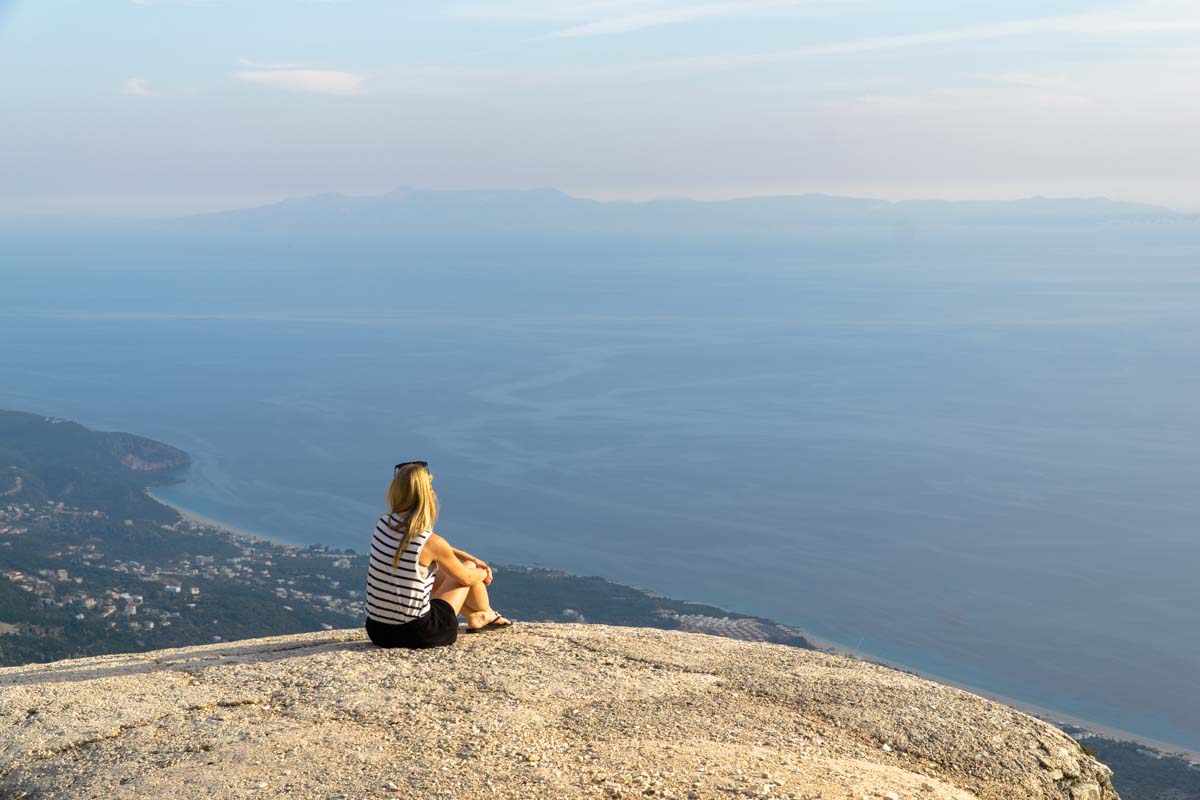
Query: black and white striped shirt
[{"x": 402, "y": 595}]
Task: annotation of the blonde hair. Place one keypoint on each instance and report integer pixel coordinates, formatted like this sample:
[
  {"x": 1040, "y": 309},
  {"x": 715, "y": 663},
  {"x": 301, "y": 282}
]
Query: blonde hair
[{"x": 412, "y": 493}]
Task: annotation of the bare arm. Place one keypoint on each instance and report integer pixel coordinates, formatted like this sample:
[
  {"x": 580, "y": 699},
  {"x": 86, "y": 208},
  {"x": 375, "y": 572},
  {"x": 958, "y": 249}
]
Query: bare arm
[
  {"x": 447, "y": 557},
  {"x": 463, "y": 555}
]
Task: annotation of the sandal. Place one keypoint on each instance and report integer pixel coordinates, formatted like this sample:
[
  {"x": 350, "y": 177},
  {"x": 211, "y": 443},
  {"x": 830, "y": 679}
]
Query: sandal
[{"x": 494, "y": 625}]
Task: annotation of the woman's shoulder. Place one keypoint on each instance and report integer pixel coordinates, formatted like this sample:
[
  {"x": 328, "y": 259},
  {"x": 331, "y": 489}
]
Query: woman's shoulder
[
  {"x": 390, "y": 525},
  {"x": 397, "y": 521}
]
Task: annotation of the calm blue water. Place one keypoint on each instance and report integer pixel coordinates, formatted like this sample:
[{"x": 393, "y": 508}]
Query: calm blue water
[{"x": 980, "y": 463}]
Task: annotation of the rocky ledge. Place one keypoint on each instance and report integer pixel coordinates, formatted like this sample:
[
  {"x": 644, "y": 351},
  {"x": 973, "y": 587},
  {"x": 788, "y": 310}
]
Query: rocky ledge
[{"x": 543, "y": 710}]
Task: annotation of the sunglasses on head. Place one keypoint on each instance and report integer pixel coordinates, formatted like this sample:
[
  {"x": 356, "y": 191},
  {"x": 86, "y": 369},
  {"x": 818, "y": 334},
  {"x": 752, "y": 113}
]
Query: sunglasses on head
[{"x": 410, "y": 463}]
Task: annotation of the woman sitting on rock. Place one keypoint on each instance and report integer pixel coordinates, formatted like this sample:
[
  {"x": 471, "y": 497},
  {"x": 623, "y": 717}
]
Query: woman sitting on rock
[{"x": 417, "y": 584}]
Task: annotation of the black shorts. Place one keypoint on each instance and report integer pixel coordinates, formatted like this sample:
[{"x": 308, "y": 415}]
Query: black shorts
[{"x": 437, "y": 628}]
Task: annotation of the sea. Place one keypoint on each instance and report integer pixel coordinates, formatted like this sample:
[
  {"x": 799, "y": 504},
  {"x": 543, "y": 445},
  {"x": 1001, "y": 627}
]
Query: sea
[{"x": 980, "y": 463}]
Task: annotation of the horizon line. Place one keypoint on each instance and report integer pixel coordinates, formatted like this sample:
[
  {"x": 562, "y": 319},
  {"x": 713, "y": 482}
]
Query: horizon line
[{"x": 97, "y": 217}]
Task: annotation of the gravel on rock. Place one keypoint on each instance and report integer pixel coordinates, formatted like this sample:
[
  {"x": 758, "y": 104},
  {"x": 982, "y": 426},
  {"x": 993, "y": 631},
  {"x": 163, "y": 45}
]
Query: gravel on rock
[{"x": 542, "y": 710}]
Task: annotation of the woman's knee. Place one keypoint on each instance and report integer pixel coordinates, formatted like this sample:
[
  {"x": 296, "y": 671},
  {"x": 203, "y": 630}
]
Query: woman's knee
[{"x": 469, "y": 564}]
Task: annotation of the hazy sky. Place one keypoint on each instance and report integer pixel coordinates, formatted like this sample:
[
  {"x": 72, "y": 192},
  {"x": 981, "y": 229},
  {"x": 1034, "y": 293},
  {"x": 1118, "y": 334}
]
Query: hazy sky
[{"x": 167, "y": 106}]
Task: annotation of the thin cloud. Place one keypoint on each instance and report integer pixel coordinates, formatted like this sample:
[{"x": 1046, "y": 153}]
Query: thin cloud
[
  {"x": 245, "y": 62},
  {"x": 650, "y": 19},
  {"x": 628, "y": 23},
  {"x": 1079, "y": 25},
  {"x": 190, "y": 3},
  {"x": 139, "y": 87},
  {"x": 311, "y": 81},
  {"x": 1032, "y": 80},
  {"x": 548, "y": 10},
  {"x": 608, "y": 17}
]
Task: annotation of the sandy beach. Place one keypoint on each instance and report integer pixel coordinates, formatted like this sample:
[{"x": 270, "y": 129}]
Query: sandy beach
[{"x": 200, "y": 519}]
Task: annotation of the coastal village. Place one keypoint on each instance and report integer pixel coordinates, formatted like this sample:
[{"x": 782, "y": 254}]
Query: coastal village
[
  {"x": 128, "y": 598},
  {"x": 127, "y": 601}
]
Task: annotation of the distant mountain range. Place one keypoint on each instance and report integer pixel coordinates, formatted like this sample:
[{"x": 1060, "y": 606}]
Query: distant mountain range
[
  {"x": 424, "y": 211},
  {"x": 406, "y": 212}
]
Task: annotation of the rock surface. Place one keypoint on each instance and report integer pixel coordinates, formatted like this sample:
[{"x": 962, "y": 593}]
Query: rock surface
[{"x": 543, "y": 710}]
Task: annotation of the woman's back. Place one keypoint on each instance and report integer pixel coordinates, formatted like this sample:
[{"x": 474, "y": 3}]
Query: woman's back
[{"x": 400, "y": 595}]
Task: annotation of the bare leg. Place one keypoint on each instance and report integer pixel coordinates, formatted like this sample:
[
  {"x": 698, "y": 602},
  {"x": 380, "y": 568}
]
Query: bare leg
[
  {"x": 470, "y": 601},
  {"x": 450, "y": 590},
  {"x": 477, "y": 600}
]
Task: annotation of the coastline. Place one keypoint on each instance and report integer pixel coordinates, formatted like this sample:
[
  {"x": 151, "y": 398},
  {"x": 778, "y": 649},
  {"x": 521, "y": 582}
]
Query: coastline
[
  {"x": 189, "y": 515},
  {"x": 1050, "y": 716}
]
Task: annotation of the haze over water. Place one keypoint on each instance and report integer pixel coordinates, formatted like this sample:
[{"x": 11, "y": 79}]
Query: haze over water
[{"x": 980, "y": 466}]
